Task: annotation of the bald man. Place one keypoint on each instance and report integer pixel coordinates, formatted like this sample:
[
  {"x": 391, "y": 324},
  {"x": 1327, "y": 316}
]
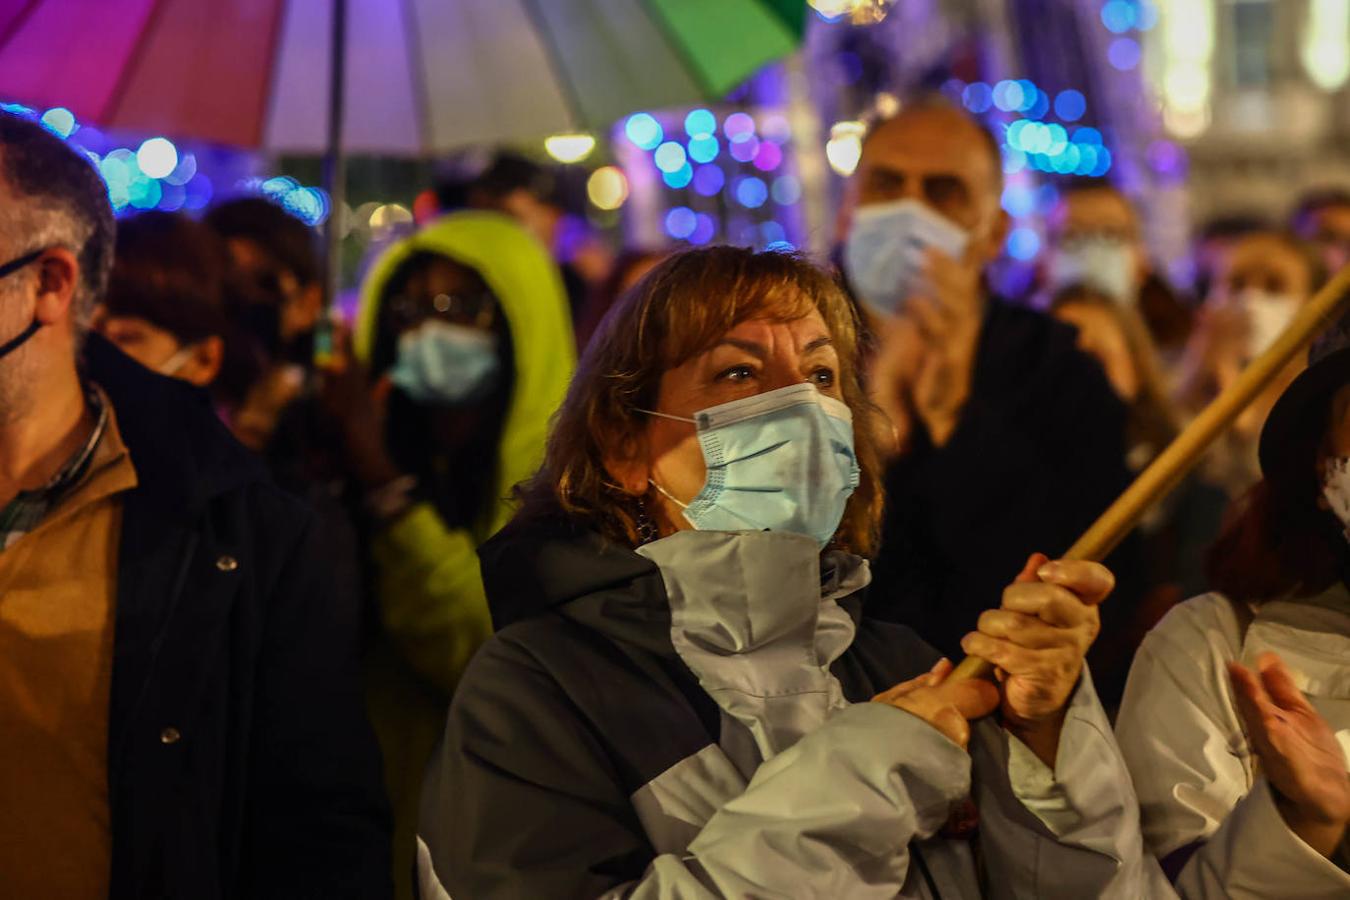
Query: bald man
[{"x": 994, "y": 410}]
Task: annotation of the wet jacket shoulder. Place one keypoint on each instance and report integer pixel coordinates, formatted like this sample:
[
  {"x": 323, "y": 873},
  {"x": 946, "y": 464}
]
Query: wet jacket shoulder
[{"x": 240, "y": 761}]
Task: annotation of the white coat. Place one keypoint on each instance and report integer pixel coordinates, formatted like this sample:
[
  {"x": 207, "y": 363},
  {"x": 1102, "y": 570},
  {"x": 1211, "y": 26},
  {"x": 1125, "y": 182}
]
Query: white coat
[{"x": 1193, "y": 767}]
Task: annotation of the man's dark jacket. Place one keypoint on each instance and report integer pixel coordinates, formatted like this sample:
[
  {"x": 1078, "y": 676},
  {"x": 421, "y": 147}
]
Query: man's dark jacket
[
  {"x": 1038, "y": 455},
  {"x": 240, "y": 762}
]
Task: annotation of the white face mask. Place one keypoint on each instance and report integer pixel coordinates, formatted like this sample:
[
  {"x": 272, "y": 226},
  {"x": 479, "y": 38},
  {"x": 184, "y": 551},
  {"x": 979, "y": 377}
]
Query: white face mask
[
  {"x": 1104, "y": 264},
  {"x": 1336, "y": 489},
  {"x": 1268, "y": 315},
  {"x": 884, "y": 252},
  {"x": 174, "y": 364}
]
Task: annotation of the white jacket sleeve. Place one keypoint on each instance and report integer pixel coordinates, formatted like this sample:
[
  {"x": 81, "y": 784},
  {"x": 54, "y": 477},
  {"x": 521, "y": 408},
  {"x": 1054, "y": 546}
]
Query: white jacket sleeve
[
  {"x": 1179, "y": 733},
  {"x": 1254, "y": 856},
  {"x": 1068, "y": 833},
  {"x": 833, "y": 816},
  {"x": 1193, "y": 770}
]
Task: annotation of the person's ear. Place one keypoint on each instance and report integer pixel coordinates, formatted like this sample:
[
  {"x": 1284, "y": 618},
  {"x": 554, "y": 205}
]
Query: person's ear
[
  {"x": 204, "y": 362},
  {"x": 992, "y": 246},
  {"x": 58, "y": 273},
  {"x": 628, "y": 464}
]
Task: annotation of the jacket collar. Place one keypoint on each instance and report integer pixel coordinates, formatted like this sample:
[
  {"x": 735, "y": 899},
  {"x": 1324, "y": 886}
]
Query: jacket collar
[
  {"x": 184, "y": 455},
  {"x": 754, "y": 616}
]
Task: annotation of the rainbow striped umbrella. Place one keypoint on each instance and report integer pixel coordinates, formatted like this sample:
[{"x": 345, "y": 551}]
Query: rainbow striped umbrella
[{"x": 422, "y": 76}]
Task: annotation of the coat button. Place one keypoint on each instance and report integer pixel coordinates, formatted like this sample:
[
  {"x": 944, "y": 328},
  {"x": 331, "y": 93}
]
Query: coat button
[
  {"x": 170, "y": 735},
  {"x": 227, "y": 564}
]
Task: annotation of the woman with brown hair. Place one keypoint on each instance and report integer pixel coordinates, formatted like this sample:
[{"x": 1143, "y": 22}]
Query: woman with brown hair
[
  {"x": 676, "y": 699},
  {"x": 1242, "y": 775}
]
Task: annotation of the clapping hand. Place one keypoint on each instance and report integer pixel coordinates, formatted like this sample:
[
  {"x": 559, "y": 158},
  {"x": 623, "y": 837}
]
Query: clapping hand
[{"x": 1299, "y": 753}]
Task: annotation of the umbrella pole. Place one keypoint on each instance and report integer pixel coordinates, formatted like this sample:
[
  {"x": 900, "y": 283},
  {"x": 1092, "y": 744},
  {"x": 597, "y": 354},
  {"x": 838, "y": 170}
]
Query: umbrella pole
[
  {"x": 1185, "y": 453},
  {"x": 335, "y": 160}
]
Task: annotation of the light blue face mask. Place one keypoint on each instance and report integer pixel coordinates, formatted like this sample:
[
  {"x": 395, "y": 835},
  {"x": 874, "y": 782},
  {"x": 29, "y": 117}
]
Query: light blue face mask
[
  {"x": 885, "y": 249},
  {"x": 443, "y": 364},
  {"x": 777, "y": 461}
]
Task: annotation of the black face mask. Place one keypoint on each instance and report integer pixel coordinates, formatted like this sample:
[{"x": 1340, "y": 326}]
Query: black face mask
[{"x": 19, "y": 340}]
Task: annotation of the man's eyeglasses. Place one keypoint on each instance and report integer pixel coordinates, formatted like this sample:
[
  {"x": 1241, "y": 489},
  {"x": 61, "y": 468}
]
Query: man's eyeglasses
[{"x": 15, "y": 265}]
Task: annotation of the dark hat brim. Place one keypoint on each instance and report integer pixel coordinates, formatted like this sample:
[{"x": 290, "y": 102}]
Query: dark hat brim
[{"x": 1302, "y": 403}]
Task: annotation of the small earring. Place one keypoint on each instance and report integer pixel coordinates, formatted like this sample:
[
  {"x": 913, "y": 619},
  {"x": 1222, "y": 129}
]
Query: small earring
[{"x": 646, "y": 528}]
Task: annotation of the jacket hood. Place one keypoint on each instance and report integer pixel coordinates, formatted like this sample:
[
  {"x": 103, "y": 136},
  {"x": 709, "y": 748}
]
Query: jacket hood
[
  {"x": 533, "y": 567},
  {"x": 529, "y": 289}
]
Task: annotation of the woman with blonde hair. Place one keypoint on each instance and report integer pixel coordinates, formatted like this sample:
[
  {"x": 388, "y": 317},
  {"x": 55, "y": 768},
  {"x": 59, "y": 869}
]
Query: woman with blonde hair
[{"x": 685, "y": 696}]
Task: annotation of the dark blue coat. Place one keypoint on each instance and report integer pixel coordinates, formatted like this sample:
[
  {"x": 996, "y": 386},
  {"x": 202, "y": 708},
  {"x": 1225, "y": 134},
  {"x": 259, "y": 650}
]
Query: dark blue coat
[{"x": 240, "y": 762}]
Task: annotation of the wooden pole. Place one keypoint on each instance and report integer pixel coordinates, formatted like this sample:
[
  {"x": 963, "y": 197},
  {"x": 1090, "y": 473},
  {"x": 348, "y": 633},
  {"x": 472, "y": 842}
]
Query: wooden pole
[{"x": 1185, "y": 453}]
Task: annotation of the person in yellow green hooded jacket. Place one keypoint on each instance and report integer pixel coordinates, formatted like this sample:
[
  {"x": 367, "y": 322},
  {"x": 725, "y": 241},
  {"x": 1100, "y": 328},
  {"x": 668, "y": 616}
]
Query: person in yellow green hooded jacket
[{"x": 463, "y": 348}]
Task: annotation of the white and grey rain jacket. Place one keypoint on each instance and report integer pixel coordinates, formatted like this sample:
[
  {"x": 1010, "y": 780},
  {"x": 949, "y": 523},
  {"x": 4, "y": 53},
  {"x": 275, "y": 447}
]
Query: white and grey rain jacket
[{"x": 689, "y": 721}]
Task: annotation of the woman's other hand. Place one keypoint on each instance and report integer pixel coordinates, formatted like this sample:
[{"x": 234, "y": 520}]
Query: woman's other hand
[
  {"x": 1037, "y": 641},
  {"x": 1299, "y": 753},
  {"x": 946, "y": 705}
]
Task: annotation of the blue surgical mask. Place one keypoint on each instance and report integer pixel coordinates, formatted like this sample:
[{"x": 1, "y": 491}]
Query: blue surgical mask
[
  {"x": 443, "y": 364},
  {"x": 885, "y": 249},
  {"x": 777, "y": 461}
]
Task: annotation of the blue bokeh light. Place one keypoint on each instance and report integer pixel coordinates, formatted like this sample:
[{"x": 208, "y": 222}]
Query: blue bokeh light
[
  {"x": 1008, "y": 96},
  {"x": 704, "y": 230},
  {"x": 670, "y": 157},
  {"x": 1023, "y": 244},
  {"x": 1087, "y": 135},
  {"x": 786, "y": 190},
  {"x": 772, "y": 233},
  {"x": 1124, "y": 53},
  {"x": 199, "y": 193},
  {"x": 144, "y": 192},
  {"x": 1019, "y": 200},
  {"x": 681, "y": 222},
  {"x": 60, "y": 121},
  {"x": 680, "y": 178},
  {"x": 700, "y": 123},
  {"x": 704, "y": 149},
  {"x": 709, "y": 180},
  {"x": 752, "y": 192},
  {"x": 1070, "y": 105},
  {"x": 644, "y": 131},
  {"x": 978, "y": 97},
  {"x": 1119, "y": 16}
]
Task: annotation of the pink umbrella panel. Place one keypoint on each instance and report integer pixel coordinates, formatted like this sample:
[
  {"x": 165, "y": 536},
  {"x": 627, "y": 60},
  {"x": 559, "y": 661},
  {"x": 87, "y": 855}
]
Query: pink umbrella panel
[{"x": 423, "y": 76}]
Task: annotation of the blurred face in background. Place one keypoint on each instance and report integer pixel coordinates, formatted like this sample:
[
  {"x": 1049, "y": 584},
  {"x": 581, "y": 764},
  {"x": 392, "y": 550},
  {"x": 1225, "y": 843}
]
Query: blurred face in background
[
  {"x": 1100, "y": 336},
  {"x": 941, "y": 158},
  {"x": 292, "y": 308},
  {"x": 1328, "y": 229},
  {"x": 1096, "y": 239},
  {"x": 1264, "y": 282},
  {"x": 1266, "y": 263},
  {"x": 160, "y": 350}
]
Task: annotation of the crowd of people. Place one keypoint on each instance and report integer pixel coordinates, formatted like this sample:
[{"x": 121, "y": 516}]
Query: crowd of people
[{"x": 558, "y": 572}]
